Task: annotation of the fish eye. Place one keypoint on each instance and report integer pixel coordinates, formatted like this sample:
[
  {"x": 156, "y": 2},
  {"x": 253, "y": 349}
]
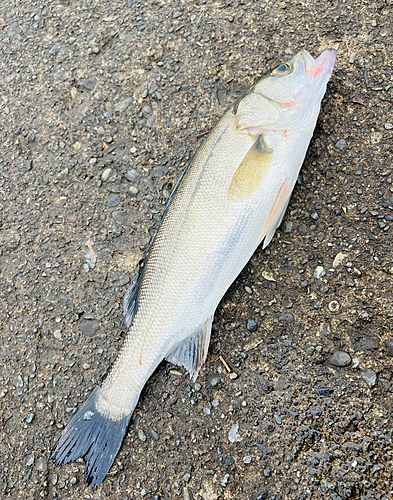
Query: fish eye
[{"x": 283, "y": 69}]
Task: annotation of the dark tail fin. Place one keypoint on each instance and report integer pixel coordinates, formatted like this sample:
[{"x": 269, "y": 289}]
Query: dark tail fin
[{"x": 91, "y": 432}]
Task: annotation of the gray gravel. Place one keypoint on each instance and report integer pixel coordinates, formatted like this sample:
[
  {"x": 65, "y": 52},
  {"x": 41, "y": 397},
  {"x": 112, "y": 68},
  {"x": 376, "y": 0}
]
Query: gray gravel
[{"x": 101, "y": 108}]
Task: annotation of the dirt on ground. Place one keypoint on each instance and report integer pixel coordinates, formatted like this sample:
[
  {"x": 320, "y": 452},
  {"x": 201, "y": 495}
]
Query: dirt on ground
[{"x": 102, "y": 105}]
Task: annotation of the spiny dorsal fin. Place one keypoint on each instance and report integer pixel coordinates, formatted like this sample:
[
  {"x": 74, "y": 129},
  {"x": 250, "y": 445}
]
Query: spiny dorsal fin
[
  {"x": 192, "y": 352},
  {"x": 130, "y": 301}
]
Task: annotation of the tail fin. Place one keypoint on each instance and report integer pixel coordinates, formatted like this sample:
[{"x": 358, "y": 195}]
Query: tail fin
[{"x": 91, "y": 432}]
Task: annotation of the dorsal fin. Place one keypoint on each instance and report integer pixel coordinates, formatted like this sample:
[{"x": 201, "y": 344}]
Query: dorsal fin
[
  {"x": 130, "y": 301},
  {"x": 192, "y": 352}
]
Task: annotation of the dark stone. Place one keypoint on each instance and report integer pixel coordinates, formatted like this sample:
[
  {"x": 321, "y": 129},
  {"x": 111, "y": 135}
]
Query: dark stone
[
  {"x": 89, "y": 83},
  {"x": 389, "y": 347},
  {"x": 114, "y": 201},
  {"x": 340, "y": 359},
  {"x": 303, "y": 229},
  {"x": 283, "y": 383},
  {"x": 287, "y": 318},
  {"x": 341, "y": 144},
  {"x": 352, "y": 447},
  {"x": 229, "y": 461},
  {"x": 251, "y": 325},
  {"x": 262, "y": 493},
  {"x": 369, "y": 376},
  {"x": 363, "y": 341},
  {"x": 316, "y": 411},
  {"x": 325, "y": 391}
]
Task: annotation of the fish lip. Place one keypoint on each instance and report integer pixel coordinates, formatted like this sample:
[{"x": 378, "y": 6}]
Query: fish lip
[
  {"x": 323, "y": 64},
  {"x": 327, "y": 58}
]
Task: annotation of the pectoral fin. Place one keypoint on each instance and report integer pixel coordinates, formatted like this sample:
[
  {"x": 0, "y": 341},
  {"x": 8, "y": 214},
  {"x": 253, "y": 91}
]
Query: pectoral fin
[
  {"x": 251, "y": 172},
  {"x": 192, "y": 352}
]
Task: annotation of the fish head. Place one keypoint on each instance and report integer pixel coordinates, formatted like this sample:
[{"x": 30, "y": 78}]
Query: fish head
[{"x": 289, "y": 97}]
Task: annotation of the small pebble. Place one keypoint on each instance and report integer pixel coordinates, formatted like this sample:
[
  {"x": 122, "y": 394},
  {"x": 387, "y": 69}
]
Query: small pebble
[
  {"x": 142, "y": 435},
  {"x": 224, "y": 480},
  {"x": 187, "y": 477},
  {"x": 247, "y": 459},
  {"x": 340, "y": 359},
  {"x": 287, "y": 318},
  {"x": 287, "y": 226},
  {"x": 30, "y": 418},
  {"x": 215, "y": 381},
  {"x": 121, "y": 106},
  {"x": 262, "y": 493},
  {"x": 251, "y": 325},
  {"x": 154, "y": 435},
  {"x": 325, "y": 391},
  {"x": 304, "y": 379},
  {"x": 389, "y": 348},
  {"x": 89, "y": 83},
  {"x": 114, "y": 201},
  {"x": 352, "y": 446},
  {"x": 106, "y": 174},
  {"x": 385, "y": 31},
  {"x": 233, "y": 433},
  {"x": 389, "y": 126},
  {"x": 30, "y": 460},
  {"x": 53, "y": 479},
  {"x": 341, "y": 144},
  {"x": 369, "y": 376},
  {"x": 132, "y": 175},
  {"x": 319, "y": 272},
  {"x": 277, "y": 419},
  {"x": 133, "y": 191},
  {"x": 339, "y": 259},
  {"x": 57, "y": 334},
  {"x": 229, "y": 460},
  {"x": 316, "y": 411}
]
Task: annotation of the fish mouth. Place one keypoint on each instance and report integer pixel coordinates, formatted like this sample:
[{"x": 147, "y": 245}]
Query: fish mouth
[{"x": 321, "y": 66}]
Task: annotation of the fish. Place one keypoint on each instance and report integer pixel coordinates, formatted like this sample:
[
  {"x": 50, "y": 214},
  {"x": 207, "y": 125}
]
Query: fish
[{"x": 230, "y": 199}]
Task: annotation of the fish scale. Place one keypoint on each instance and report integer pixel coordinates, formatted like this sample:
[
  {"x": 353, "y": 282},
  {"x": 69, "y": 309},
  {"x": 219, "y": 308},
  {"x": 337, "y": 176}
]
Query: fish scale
[{"x": 232, "y": 197}]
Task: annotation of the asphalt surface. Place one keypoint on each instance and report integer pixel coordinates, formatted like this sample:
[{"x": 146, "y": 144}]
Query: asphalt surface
[{"x": 102, "y": 105}]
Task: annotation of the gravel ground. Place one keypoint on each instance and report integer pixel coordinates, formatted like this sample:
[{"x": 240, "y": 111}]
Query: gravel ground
[{"x": 102, "y": 105}]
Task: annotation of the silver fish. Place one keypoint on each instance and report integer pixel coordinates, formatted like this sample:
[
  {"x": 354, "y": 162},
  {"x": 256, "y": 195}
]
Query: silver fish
[{"x": 231, "y": 197}]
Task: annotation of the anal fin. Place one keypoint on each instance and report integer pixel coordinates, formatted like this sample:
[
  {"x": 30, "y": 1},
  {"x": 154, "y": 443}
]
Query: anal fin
[{"x": 192, "y": 352}]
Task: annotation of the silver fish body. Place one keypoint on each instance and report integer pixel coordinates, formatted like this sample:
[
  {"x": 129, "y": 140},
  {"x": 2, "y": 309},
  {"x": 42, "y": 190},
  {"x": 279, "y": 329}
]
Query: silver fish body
[{"x": 231, "y": 198}]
